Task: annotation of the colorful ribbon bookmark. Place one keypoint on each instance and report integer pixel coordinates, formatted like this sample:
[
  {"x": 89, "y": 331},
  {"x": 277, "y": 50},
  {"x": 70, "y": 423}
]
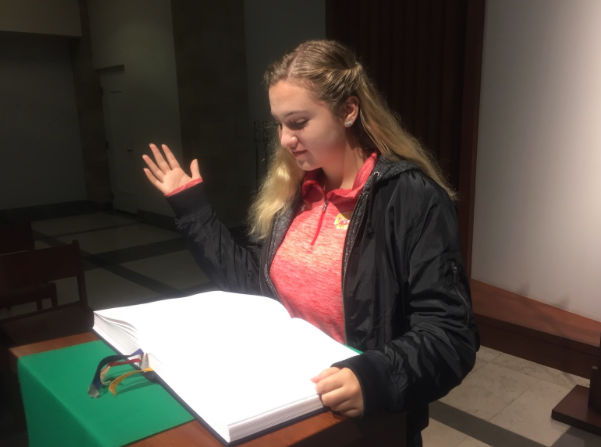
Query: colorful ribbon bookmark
[
  {"x": 118, "y": 380},
  {"x": 103, "y": 368}
]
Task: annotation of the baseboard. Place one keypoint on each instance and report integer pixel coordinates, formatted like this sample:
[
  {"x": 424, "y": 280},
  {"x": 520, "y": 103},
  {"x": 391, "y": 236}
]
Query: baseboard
[
  {"x": 55, "y": 210},
  {"x": 535, "y": 331}
]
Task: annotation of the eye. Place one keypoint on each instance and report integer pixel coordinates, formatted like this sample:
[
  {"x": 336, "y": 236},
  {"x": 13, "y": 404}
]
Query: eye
[{"x": 298, "y": 124}]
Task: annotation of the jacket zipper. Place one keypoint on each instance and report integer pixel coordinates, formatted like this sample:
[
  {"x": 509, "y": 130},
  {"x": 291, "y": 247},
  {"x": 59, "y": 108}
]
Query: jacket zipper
[
  {"x": 356, "y": 217},
  {"x": 455, "y": 282},
  {"x": 352, "y": 230}
]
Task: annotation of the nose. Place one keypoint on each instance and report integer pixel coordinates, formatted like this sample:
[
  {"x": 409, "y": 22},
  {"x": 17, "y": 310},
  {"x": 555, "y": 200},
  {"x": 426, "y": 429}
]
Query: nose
[{"x": 288, "y": 139}]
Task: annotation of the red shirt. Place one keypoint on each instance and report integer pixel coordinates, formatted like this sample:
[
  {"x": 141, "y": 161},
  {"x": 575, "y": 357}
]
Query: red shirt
[{"x": 306, "y": 270}]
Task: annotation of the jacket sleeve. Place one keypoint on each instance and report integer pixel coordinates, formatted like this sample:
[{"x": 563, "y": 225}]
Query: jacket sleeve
[
  {"x": 439, "y": 348},
  {"x": 230, "y": 266}
]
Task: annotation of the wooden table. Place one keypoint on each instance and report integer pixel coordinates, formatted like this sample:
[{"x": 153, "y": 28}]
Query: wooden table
[{"x": 325, "y": 429}]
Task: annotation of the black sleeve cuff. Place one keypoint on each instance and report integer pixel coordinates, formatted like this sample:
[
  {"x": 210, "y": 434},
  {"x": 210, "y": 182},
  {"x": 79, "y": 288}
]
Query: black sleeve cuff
[
  {"x": 189, "y": 202},
  {"x": 373, "y": 376}
]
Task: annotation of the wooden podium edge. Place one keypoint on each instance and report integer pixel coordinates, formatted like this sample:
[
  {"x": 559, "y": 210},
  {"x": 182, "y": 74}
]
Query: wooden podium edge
[{"x": 323, "y": 429}]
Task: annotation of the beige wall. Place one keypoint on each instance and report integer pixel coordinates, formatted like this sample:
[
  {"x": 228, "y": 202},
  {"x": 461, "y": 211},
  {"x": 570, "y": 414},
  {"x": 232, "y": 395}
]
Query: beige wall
[
  {"x": 537, "y": 221},
  {"x": 59, "y": 17},
  {"x": 138, "y": 34}
]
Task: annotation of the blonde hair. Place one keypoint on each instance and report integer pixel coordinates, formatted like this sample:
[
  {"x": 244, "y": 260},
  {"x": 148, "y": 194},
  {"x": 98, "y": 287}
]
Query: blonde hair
[{"x": 332, "y": 73}]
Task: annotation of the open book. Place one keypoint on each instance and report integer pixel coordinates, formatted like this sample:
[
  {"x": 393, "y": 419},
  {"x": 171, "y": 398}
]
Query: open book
[{"x": 239, "y": 362}]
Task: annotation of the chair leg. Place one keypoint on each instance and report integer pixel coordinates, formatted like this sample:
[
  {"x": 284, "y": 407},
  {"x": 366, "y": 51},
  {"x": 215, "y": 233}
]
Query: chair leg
[
  {"x": 18, "y": 409},
  {"x": 53, "y": 298},
  {"x": 10, "y": 398}
]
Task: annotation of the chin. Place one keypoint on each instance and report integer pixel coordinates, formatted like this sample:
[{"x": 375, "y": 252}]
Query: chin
[
  {"x": 306, "y": 165},
  {"x": 306, "y": 162}
]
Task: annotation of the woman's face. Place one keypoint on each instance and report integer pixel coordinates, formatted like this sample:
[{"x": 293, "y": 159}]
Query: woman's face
[{"x": 308, "y": 129}]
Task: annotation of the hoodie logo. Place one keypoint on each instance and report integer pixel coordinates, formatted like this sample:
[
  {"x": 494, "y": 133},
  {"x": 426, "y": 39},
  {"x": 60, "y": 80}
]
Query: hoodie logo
[{"x": 342, "y": 220}]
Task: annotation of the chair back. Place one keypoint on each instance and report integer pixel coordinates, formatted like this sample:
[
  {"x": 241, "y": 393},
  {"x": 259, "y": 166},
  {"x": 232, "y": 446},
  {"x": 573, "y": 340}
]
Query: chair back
[
  {"x": 42, "y": 266},
  {"x": 16, "y": 237}
]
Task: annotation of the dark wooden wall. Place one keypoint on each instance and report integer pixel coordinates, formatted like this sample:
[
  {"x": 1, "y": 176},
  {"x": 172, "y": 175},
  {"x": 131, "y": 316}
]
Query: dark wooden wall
[{"x": 425, "y": 57}]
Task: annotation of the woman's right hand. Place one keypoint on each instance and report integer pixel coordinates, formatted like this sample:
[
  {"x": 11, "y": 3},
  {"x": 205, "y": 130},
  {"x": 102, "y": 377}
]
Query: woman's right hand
[{"x": 167, "y": 175}]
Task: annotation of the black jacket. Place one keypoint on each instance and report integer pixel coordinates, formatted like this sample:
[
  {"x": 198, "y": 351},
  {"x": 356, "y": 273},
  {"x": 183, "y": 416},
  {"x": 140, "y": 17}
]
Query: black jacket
[{"x": 406, "y": 299}]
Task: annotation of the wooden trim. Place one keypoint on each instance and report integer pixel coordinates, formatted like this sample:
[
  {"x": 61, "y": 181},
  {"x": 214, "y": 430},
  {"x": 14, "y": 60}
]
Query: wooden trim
[
  {"x": 536, "y": 350},
  {"x": 474, "y": 38},
  {"x": 49, "y": 345},
  {"x": 426, "y": 59},
  {"x": 535, "y": 331}
]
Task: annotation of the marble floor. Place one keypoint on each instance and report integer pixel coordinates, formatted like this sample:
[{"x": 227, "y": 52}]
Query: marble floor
[{"x": 504, "y": 402}]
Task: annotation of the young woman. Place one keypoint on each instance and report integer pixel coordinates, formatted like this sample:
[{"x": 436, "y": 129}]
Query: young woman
[{"x": 354, "y": 230}]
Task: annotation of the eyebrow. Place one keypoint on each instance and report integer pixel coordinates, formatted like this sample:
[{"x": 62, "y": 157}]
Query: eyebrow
[{"x": 292, "y": 112}]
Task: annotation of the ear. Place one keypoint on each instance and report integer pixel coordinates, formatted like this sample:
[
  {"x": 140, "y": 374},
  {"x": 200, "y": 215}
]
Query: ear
[{"x": 351, "y": 110}]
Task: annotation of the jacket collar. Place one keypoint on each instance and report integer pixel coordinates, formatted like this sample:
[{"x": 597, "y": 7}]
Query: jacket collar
[{"x": 384, "y": 169}]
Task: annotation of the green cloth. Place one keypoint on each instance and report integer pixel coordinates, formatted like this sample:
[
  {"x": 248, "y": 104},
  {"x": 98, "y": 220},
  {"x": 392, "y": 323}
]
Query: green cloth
[{"x": 60, "y": 412}]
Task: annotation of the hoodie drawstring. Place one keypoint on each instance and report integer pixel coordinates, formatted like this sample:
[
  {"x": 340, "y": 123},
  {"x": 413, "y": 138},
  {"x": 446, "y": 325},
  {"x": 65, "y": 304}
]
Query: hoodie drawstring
[{"x": 323, "y": 213}]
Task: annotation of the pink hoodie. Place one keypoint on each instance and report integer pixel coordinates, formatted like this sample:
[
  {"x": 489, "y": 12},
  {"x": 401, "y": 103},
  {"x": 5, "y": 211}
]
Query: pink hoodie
[{"x": 306, "y": 270}]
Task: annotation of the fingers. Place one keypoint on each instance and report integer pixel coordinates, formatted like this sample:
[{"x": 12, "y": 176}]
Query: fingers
[
  {"x": 340, "y": 390},
  {"x": 348, "y": 408},
  {"x": 170, "y": 158},
  {"x": 351, "y": 413},
  {"x": 153, "y": 179},
  {"x": 334, "y": 398},
  {"x": 160, "y": 161},
  {"x": 325, "y": 373},
  {"x": 341, "y": 401},
  {"x": 329, "y": 382},
  {"x": 158, "y": 174},
  {"x": 194, "y": 169}
]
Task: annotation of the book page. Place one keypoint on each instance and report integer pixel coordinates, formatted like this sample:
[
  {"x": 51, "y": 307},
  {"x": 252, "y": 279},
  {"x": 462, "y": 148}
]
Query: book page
[
  {"x": 250, "y": 370},
  {"x": 232, "y": 358},
  {"x": 159, "y": 323},
  {"x": 329, "y": 350}
]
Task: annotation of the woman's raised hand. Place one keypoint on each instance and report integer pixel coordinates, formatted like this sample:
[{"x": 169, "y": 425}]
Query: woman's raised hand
[{"x": 167, "y": 175}]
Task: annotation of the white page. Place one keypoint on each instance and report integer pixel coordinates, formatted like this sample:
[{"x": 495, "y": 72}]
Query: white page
[
  {"x": 262, "y": 368},
  {"x": 329, "y": 350},
  {"x": 219, "y": 316},
  {"x": 235, "y": 357},
  {"x": 151, "y": 321}
]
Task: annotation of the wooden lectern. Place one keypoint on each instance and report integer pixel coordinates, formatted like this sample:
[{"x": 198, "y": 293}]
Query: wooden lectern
[
  {"x": 581, "y": 408},
  {"x": 325, "y": 429}
]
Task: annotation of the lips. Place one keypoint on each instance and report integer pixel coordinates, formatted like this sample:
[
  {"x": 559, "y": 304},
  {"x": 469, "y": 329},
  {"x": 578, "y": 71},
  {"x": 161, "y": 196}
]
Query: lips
[{"x": 297, "y": 153}]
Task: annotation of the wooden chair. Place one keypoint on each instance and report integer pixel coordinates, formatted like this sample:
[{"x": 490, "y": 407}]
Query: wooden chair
[
  {"x": 15, "y": 237},
  {"x": 18, "y": 270}
]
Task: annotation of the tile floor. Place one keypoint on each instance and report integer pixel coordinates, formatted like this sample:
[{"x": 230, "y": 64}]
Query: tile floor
[
  {"x": 504, "y": 402},
  {"x": 126, "y": 262}
]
